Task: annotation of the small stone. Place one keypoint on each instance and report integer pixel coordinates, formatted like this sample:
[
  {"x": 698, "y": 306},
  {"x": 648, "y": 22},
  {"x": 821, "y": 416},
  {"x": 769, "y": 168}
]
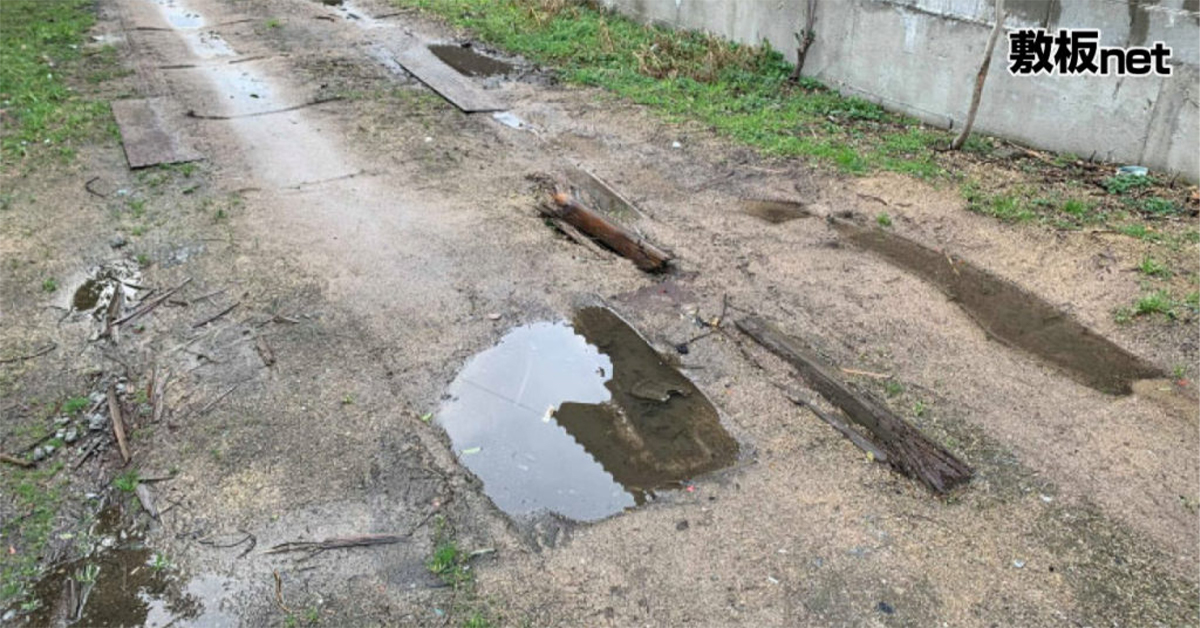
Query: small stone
[
  {"x": 62, "y": 420},
  {"x": 96, "y": 397},
  {"x": 117, "y": 242},
  {"x": 59, "y": 434},
  {"x": 9, "y": 616},
  {"x": 676, "y": 144},
  {"x": 71, "y": 436},
  {"x": 38, "y": 454},
  {"x": 49, "y": 449},
  {"x": 682, "y": 348},
  {"x": 885, "y": 608},
  {"x": 1019, "y": 564},
  {"x": 494, "y": 316},
  {"x": 96, "y": 422},
  {"x": 682, "y": 525}
]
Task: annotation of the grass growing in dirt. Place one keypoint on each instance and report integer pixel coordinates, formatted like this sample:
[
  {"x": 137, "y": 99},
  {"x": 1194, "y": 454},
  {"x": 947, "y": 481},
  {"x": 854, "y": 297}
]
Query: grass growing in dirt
[
  {"x": 36, "y": 496},
  {"x": 743, "y": 92},
  {"x": 451, "y": 563},
  {"x": 41, "y": 47}
]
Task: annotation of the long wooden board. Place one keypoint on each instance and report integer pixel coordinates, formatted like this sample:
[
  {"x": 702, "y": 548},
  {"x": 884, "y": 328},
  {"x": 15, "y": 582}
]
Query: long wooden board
[
  {"x": 908, "y": 451},
  {"x": 147, "y": 134},
  {"x": 446, "y": 81}
]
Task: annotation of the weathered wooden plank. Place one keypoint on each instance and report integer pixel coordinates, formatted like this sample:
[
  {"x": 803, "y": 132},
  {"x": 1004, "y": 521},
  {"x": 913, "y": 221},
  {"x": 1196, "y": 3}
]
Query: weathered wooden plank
[
  {"x": 444, "y": 80},
  {"x": 907, "y": 450},
  {"x": 604, "y": 196},
  {"x": 147, "y": 134}
]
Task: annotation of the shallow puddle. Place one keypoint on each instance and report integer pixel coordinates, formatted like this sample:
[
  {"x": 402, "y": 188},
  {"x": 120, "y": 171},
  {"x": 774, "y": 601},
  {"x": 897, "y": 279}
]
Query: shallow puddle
[
  {"x": 581, "y": 419},
  {"x": 102, "y": 283},
  {"x": 1012, "y": 315},
  {"x": 775, "y": 212},
  {"x": 125, "y": 584},
  {"x": 178, "y": 16},
  {"x": 469, "y": 62}
]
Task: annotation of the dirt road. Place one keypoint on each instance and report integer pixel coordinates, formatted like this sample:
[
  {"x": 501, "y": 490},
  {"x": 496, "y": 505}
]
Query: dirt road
[{"x": 376, "y": 242}]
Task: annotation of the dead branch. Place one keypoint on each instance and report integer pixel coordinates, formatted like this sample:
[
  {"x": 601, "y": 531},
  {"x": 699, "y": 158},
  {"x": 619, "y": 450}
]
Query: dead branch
[
  {"x": 865, "y": 373},
  {"x": 13, "y": 460},
  {"x": 337, "y": 542},
  {"x": 36, "y": 354},
  {"x": 858, "y": 439},
  {"x": 214, "y": 402},
  {"x": 631, "y": 246},
  {"x": 1001, "y": 14},
  {"x": 279, "y": 594},
  {"x": 216, "y": 316},
  {"x": 118, "y": 426},
  {"x": 88, "y": 186},
  {"x": 146, "y": 308}
]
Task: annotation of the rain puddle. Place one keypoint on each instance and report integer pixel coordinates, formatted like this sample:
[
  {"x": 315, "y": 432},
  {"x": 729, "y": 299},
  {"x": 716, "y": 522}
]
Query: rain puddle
[
  {"x": 1012, "y": 315},
  {"x": 581, "y": 419},
  {"x": 179, "y": 17},
  {"x": 102, "y": 283},
  {"x": 775, "y": 212},
  {"x": 469, "y": 62},
  {"x": 124, "y": 583}
]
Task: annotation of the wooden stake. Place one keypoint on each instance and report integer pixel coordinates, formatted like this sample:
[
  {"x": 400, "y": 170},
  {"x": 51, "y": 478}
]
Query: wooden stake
[{"x": 118, "y": 426}]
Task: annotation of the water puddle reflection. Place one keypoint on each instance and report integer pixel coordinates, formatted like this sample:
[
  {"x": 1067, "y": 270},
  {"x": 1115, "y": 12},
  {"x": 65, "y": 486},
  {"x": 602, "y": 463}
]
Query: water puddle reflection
[{"x": 581, "y": 419}]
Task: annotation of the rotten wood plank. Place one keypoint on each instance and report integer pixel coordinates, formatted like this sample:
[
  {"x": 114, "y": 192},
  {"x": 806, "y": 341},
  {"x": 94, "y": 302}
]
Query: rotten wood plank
[
  {"x": 148, "y": 136},
  {"x": 447, "y": 82},
  {"x": 604, "y": 196},
  {"x": 906, "y": 449},
  {"x": 628, "y": 244}
]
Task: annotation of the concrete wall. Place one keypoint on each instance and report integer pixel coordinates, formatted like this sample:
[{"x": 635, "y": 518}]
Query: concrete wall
[{"x": 921, "y": 57}]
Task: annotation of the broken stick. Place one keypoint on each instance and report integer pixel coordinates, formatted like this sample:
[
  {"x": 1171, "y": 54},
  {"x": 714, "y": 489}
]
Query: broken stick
[
  {"x": 337, "y": 542},
  {"x": 118, "y": 426},
  {"x": 906, "y": 449},
  {"x": 631, "y": 246},
  {"x": 20, "y": 462},
  {"x": 151, "y": 305}
]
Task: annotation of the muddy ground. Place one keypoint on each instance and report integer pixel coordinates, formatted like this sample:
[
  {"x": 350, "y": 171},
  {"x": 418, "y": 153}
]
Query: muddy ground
[{"x": 371, "y": 245}]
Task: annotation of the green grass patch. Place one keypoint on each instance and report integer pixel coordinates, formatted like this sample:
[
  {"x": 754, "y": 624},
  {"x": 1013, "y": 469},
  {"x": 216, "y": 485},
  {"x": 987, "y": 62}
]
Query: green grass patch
[
  {"x": 1153, "y": 268},
  {"x": 1010, "y": 207},
  {"x": 37, "y": 495},
  {"x": 127, "y": 481},
  {"x": 742, "y": 92},
  {"x": 40, "y": 48},
  {"x": 1125, "y": 183}
]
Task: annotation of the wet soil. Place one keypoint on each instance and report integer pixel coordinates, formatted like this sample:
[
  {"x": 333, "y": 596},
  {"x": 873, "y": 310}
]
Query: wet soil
[
  {"x": 124, "y": 584},
  {"x": 379, "y": 242},
  {"x": 775, "y": 212},
  {"x": 1012, "y": 315},
  {"x": 469, "y": 61}
]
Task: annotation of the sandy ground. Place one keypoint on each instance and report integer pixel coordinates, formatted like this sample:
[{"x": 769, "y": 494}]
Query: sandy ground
[{"x": 375, "y": 243}]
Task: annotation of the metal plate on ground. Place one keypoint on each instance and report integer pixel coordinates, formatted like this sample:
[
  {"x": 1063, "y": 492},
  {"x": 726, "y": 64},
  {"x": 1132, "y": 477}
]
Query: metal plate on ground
[
  {"x": 444, "y": 80},
  {"x": 147, "y": 135}
]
